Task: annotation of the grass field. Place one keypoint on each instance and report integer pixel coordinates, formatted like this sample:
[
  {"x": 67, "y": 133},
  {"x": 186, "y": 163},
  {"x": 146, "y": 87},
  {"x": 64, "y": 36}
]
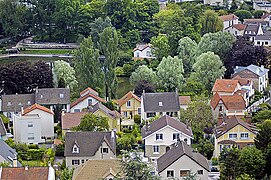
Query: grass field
[
  {"x": 31, "y": 163},
  {"x": 47, "y": 51},
  {"x": 29, "y": 59},
  {"x": 123, "y": 86}
]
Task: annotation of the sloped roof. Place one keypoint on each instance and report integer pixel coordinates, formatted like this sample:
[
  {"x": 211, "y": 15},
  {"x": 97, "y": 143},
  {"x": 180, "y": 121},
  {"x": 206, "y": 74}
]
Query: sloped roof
[
  {"x": 8, "y": 153},
  {"x": 231, "y": 102},
  {"x": 3, "y": 131},
  {"x": 253, "y": 28},
  {"x": 265, "y": 36},
  {"x": 77, "y": 101},
  {"x": 92, "y": 91},
  {"x": 225, "y": 85},
  {"x": 163, "y": 122},
  {"x": 97, "y": 169},
  {"x": 260, "y": 71},
  {"x": 253, "y": 20},
  {"x": 22, "y": 173},
  {"x": 141, "y": 47},
  {"x": 242, "y": 81},
  {"x": 230, "y": 123},
  {"x": 127, "y": 97},
  {"x": 108, "y": 112},
  {"x": 14, "y": 102},
  {"x": 177, "y": 151},
  {"x": 240, "y": 92},
  {"x": 239, "y": 27},
  {"x": 170, "y": 102},
  {"x": 49, "y": 96},
  {"x": 70, "y": 120},
  {"x": 229, "y": 17},
  {"x": 89, "y": 143},
  {"x": 184, "y": 100},
  {"x": 37, "y": 106}
]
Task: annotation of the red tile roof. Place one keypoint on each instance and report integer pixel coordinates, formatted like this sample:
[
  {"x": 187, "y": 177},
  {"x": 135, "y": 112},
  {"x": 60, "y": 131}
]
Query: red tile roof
[
  {"x": 70, "y": 120},
  {"x": 242, "y": 81},
  {"x": 228, "y": 17},
  {"x": 23, "y": 173},
  {"x": 88, "y": 89},
  {"x": 127, "y": 97},
  {"x": 141, "y": 47},
  {"x": 231, "y": 102},
  {"x": 240, "y": 27},
  {"x": 77, "y": 101},
  {"x": 37, "y": 106},
  {"x": 225, "y": 85},
  {"x": 184, "y": 100}
]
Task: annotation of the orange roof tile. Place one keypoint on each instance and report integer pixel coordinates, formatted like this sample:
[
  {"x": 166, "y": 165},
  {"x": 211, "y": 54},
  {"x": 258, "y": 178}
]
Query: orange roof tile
[
  {"x": 231, "y": 102},
  {"x": 127, "y": 97},
  {"x": 215, "y": 100},
  {"x": 88, "y": 89},
  {"x": 12, "y": 173},
  {"x": 77, "y": 101},
  {"x": 240, "y": 27},
  {"x": 37, "y": 106},
  {"x": 228, "y": 17},
  {"x": 240, "y": 92},
  {"x": 70, "y": 120},
  {"x": 242, "y": 81},
  {"x": 225, "y": 85}
]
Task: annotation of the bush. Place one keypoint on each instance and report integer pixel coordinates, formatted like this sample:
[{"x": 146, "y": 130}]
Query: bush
[
  {"x": 128, "y": 69},
  {"x": 137, "y": 119},
  {"x": 119, "y": 71},
  {"x": 243, "y": 14},
  {"x": 60, "y": 150},
  {"x": 214, "y": 161}
]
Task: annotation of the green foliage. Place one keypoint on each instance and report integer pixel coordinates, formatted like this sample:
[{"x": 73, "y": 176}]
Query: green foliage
[
  {"x": 135, "y": 169},
  {"x": 191, "y": 176},
  {"x": 243, "y": 14},
  {"x": 245, "y": 177},
  {"x": 60, "y": 149},
  {"x": 214, "y": 161},
  {"x": 90, "y": 122},
  {"x": 64, "y": 71},
  {"x": 208, "y": 68},
  {"x": 263, "y": 138},
  {"x": 211, "y": 22},
  {"x": 205, "y": 148},
  {"x": 4, "y": 118},
  {"x": 160, "y": 46},
  {"x": 119, "y": 71},
  {"x": 143, "y": 73},
  {"x": 111, "y": 105},
  {"x": 4, "y": 164},
  {"x": 193, "y": 87},
  {"x": 261, "y": 116},
  {"x": 258, "y": 13},
  {"x": 137, "y": 119},
  {"x": 170, "y": 73},
  {"x": 66, "y": 174},
  {"x": 128, "y": 69},
  {"x": 265, "y": 106}
]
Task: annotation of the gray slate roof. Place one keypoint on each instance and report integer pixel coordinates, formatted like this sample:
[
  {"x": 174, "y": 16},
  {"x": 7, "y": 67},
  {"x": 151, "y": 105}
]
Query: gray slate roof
[
  {"x": 170, "y": 102},
  {"x": 164, "y": 121},
  {"x": 266, "y": 36},
  {"x": 97, "y": 106},
  {"x": 8, "y": 153},
  {"x": 88, "y": 142},
  {"x": 178, "y": 150},
  {"x": 253, "y": 28},
  {"x": 14, "y": 102},
  {"x": 3, "y": 131},
  {"x": 49, "y": 96},
  {"x": 260, "y": 71}
]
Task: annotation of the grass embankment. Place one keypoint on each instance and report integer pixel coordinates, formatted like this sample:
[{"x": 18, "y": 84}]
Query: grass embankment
[{"x": 46, "y": 51}]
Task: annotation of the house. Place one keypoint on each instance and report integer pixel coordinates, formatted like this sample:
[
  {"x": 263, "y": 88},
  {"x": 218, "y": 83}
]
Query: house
[
  {"x": 246, "y": 84},
  {"x": 99, "y": 169},
  {"x": 262, "y": 5},
  {"x": 160, "y": 104},
  {"x": 264, "y": 24},
  {"x": 83, "y": 146},
  {"x": 3, "y": 131},
  {"x": 25, "y": 173},
  {"x": 213, "y": 2},
  {"x": 267, "y": 18},
  {"x": 263, "y": 39},
  {"x": 233, "y": 131},
  {"x": 9, "y": 155},
  {"x": 225, "y": 86},
  {"x": 259, "y": 75},
  {"x": 236, "y": 29},
  {"x": 129, "y": 105},
  {"x": 88, "y": 97},
  {"x": 34, "y": 125},
  {"x": 143, "y": 51},
  {"x": 180, "y": 160},
  {"x": 228, "y": 20},
  {"x": 228, "y": 105},
  {"x": 161, "y": 133},
  {"x": 184, "y": 102},
  {"x": 70, "y": 120}
]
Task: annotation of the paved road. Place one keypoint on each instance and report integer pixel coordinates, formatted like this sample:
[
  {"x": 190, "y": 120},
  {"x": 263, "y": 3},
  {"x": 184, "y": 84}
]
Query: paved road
[{"x": 36, "y": 55}]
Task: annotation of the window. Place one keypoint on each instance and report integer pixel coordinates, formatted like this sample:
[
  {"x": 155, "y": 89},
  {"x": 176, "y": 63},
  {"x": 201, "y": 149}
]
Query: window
[
  {"x": 105, "y": 150},
  {"x": 19, "y": 104},
  {"x": 61, "y": 95},
  {"x": 9, "y": 104},
  {"x": 139, "y": 110},
  {"x": 137, "y": 54},
  {"x": 160, "y": 103},
  {"x": 125, "y": 113},
  {"x": 170, "y": 173},
  {"x": 220, "y": 108},
  {"x": 82, "y": 161},
  {"x": 89, "y": 102},
  {"x": 266, "y": 42},
  {"x": 176, "y": 136},
  {"x": 200, "y": 172},
  {"x": 258, "y": 42},
  {"x": 41, "y": 96},
  {"x": 75, "y": 149},
  {"x": 75, "y": 162},
  {"x": 150, "y": 115},
  {"x": 128, "y": 103},
  {"x": 155, "y": 149},
  {"x": 30, "y": 124},
  {"x": 76, "y": 110},
  {"x": 184, "y": 173},
  {"x": 30, "y": 136},
  {"x": 28, "y": 102},
  {"x": 159, "y": 136},
  {"x": 244, "y": 135},
  {"x": 233, "y": 136},
  {"x": 148, "y": 54},
  {"x": 8, "y": 115}
]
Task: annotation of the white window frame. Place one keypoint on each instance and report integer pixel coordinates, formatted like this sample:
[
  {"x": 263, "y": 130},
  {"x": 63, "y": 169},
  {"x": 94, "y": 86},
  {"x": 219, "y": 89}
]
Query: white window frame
[
  {"x": 30, "y": 136},
  {"x": 105, "y": 152},
  {"x": 244, "y": 137},
  {"x": 61, "y": 95},
  {"x": 75, "y": 149},
  {"x": 155, "y": 149},
  {"x": 128, "y": 103},
  {"x": 169, "y": 170},
  {"x": 30, "y": 124},
  {"x": 158, "y": 136},
  {"x": 232, "y": 134},
  {"x": 175, "y": 133}
]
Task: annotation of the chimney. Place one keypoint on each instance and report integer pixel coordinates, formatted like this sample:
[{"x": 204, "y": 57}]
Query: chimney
[
  {"x": 26, "y": 168},
  {"x": 15, "y": 161},
  {"x": 113, "y": 138}
]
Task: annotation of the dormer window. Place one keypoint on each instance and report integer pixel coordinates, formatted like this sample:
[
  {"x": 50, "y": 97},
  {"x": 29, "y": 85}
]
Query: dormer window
[
  {"x": 9, "y": 103},
  {"x": 28, "y": 103},
  {"x": 61, "y": 95},
  {"x": 20, "y": 104},
  {"x": 75, "y": 149},
  {"x": 41, "y": 96},
  {"x": 160, "y": 103}
]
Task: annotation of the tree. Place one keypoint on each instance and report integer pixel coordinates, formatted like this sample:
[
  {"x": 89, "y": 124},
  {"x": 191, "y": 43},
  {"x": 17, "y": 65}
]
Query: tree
[
  {"x": 186, "y": 51},
  {"x": 243, "y": 14},
  {"x": 143, "y": 86},
  {"x": 211, "y": 22},
  {"x": 90, "y": 122},
  {"x": 208, "y": 68},
  {"x": 64, "y": 71},
  {"x": 193, "y": 87},
  {"x": 160, "y": 46},
  {"x": 135, "y": 169},
  {"x": 258, "y": 13},
  {"x": 244, "y": 53},
  {"x": 170, "y": 73},
  {"x": 229, "y": 163},
  {"x": 261, "y": 116},
  {"x": 66, "y": 174},
  {"x": 87, "y": 65},
  {"x": 143, "y": 73},
  {"x": 220, "y": 43},
  {"x": 252, "y": 162},
  {"x": 109, "y": 48},
  {"x": 263, "y": 138}
]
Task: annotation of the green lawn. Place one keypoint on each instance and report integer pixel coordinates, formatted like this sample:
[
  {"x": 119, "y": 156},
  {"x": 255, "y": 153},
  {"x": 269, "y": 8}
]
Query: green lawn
[
  {"x": 31, "y": 163},
  {"x": 47, "y": 51},
  {"x": 30, "y": 59},
  {"x": 123, "y": 86}
]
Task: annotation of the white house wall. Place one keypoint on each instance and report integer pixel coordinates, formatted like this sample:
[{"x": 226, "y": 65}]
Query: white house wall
[{"x": 84, "y": 104}]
